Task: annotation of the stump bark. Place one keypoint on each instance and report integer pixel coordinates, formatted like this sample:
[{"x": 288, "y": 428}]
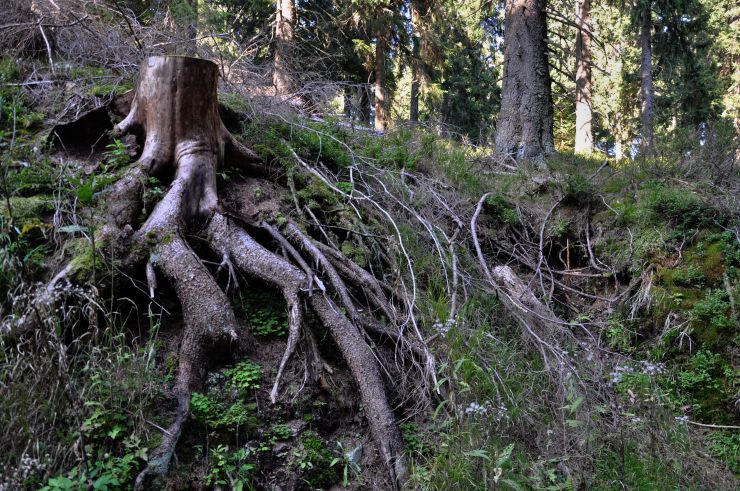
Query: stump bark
[{"x": 174, "y": 114}]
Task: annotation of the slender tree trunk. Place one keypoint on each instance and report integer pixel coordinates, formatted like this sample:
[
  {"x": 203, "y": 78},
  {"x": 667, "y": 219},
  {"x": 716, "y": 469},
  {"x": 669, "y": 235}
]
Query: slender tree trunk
[
  {"x": 584, "y": 113},
  {"x": 646, "y": 69},
  {"x": 363, "y": 97},
  {"x": 618, "y": 138},
  {"x": 183, "y": 23},
  {"x": 381, "y": 93},
  {"x": 524, "y": 129},
  {"x": 284, "y": 27},
  {"x": 415, "y": 65},
  {"x": 348, "y": 109}
]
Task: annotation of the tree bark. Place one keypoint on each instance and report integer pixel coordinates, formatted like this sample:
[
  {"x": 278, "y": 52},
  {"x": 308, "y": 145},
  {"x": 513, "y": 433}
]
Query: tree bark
[
  {"x": 284, "y": 33},
  {"x": 415, "y": 64},
  {"x": 584, "y": 112},
  {"x": 524, "y": 128},
  {"x": 646, "y": 75},
  {"x": 381, "y": 93},
  {"x": 348, "y": 108},
  {"x": 363, "y": 97}
]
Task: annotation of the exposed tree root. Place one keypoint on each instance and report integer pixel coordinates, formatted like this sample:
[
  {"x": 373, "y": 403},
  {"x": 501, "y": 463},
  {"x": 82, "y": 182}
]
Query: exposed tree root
[{"x": 174, "y": 112}]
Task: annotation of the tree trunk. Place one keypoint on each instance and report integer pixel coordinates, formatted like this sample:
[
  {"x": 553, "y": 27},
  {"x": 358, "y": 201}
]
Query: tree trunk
[
  {"x": 415, "y": 64},
  {"x": 584, "y": 112},
  {"x": 284, "y": 27},
  {"x": 363, "y": 98},
  {"x": 646, "y": 75},
  {"x": 192, "y": 46},
  {"x": 381, "y": 94},
  {"x": 524, "y": 128},
  {"x": 348, "y": 108}
]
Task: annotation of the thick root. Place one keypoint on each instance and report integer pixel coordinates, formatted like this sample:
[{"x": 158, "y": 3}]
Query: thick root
[
  {"x": 366, "y": 374},
  {"x": 253, "y": 259}
]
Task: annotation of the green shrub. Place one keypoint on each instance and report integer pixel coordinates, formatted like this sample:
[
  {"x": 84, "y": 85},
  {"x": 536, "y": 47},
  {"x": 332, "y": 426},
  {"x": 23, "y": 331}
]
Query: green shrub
[
  {"x": 578, "y": 190},
  {"x": 681, "y": 208},
  {"x": 230, "y": 468},
  {"x": 245, "y": 376},
  {"x": 714, "y": 311},
  {"x": 314, "y": 459},
  {"x": 501, "y": 210},
  {"x": 215, "y": 414}
]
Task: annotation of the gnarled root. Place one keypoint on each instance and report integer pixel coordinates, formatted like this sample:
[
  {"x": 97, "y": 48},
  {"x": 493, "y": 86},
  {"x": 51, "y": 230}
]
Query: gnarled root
[
  {"x": 175, "y": 110},
  {"x": 255, "y": 260}
]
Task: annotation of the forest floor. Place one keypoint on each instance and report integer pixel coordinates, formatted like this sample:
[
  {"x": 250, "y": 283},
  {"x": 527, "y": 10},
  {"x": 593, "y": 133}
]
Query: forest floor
[{"x": 637, "y": 264}]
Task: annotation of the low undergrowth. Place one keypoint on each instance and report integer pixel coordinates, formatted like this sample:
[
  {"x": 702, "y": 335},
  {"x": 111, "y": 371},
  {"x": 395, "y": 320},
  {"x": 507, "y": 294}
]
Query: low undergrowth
[{"x": 641, "y": 260}]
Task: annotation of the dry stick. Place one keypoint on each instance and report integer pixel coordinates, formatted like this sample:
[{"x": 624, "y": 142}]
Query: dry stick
[
  {"x": 410, "y": 301},
  {"x": 319, "y": 226},
  {"x": 722, "y": 427},
  {"x": 48, "y": 49},
  {"x": 425, "y": 223},
  {"x": 453, "y": 255},
  {"x": 430, "y": 364},
  {"x": 410, "y": 317},
  {"x": 591, "y": 257},
  {"x": 498, "y": 288},
  {"x": 128, "y": 23},
  {"x": 541, "y": 252}
]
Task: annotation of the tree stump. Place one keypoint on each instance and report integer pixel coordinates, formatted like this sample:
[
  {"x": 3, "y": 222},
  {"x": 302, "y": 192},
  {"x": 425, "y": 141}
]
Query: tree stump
[{"x": 175, "y": 114}]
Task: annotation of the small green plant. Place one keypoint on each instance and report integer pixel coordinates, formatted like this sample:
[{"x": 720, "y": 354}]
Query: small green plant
[
  {"x": 313, "y": 459},
  {"x": 726, "y": 446},
  {"x": 230, "y": 468},
  {"x": 501, "y": 210},
  {"x": 204, "y": 409},
  {"x": 348, "y": 461},
  {"x": 116, "y": 155},
  {"x": 268, "y": 315},
  {"x": 105, "y": 472},
  {"x": 281, "y": 432},
  {"x": 578, "y": 190},
  {"x": 154, "y": 188},
  {"x": 714, "y": 311},
  {"x": 245, "y": 376},
  {"x": 104, "y": 423},
  {"x": 215, "y": 414},
  {"x": 618, "y": 335},
  {"x": 413, "y": 440},
  {"x": 345, "y": 187},
  {"x": 560, "y": 228}
]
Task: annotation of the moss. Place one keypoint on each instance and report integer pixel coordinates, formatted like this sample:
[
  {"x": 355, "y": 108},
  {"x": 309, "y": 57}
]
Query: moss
[
  {"x": 82, "y": 258},
  {"x": 170, "y": 366},
  {"x": 357, "y": 254},
  {"x": 27, "y": 208},
  {"x": 679, "y": 206},
  {"x": 88, "y": 71},
  {"x": 318, "y": 192},
  {"x": 234, "y": 102},
  {"x": 713, "y": 264},
  {"x": 106, "y": 90}
]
